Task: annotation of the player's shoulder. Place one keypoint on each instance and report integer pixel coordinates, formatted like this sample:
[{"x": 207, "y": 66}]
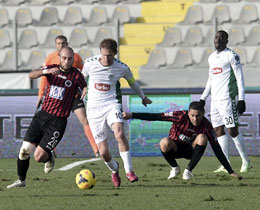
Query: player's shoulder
[
  {"x": 92, "y": 59},
  {"x": 233, "y": 55},
  {"x": 120, "y": 64}
]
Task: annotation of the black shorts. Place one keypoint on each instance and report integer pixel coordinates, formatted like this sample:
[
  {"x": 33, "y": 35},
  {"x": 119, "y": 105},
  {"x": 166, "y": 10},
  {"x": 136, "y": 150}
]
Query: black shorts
[
  {"x": 77, "y": 103},
  {"x": 184, "y": 150},
  {"x": 46, "y": 130}
]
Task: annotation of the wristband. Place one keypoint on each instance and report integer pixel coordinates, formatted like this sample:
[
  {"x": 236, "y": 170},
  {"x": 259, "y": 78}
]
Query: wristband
[{"x": 44, "y": 71}]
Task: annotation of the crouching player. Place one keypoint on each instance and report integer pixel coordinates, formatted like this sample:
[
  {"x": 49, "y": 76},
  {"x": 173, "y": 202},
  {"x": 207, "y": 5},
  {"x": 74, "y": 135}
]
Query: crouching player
[{"x": 187, "y": 138}]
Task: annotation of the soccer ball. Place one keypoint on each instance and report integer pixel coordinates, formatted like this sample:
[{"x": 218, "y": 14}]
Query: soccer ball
[{"x": 85, "y": 179}]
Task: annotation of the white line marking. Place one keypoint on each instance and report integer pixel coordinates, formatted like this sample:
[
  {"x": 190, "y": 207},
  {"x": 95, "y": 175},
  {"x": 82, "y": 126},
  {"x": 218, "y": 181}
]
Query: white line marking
[{"x": 72, "y": 165}]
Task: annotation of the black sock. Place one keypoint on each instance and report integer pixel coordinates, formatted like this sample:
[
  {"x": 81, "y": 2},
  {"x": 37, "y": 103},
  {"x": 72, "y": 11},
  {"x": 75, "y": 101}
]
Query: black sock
[
  {"x": 170, "y": 157},
  {"x": 197, "y": 154},
  {"x": 22, "y": 168}
]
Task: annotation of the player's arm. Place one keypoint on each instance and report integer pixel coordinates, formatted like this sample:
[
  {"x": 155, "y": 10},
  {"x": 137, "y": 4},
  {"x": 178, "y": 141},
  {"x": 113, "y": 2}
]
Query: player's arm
[
  {"x": 43, "y": 72},
  {"x": 222, "y": 158},
  {"x": 142, "y": 116},
  {"x": 237, "y": 68},
  {"x": 135, "y": 86},
  {"x": 207, "y": 89}
]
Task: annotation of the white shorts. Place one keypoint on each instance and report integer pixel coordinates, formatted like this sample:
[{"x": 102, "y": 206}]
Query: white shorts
[
  {"x": 224, "y": 112},
  {"x": 101, "y": 119}
]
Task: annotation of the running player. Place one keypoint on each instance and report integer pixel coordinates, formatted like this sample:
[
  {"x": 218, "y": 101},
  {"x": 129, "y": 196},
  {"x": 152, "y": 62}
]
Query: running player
[
  {"x": 104, "y": 109},
  {"x": 78, "y": 105},
  {"x": 226, "y": 85},
  {"x": 48, "y": 125},
  {"x": 187, "y": 138}
]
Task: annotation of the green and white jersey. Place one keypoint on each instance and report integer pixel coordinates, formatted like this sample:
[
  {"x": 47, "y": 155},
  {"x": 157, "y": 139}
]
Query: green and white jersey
[
  {"x": 226, "y": 78},
  {"x": 103, "y": 81}
]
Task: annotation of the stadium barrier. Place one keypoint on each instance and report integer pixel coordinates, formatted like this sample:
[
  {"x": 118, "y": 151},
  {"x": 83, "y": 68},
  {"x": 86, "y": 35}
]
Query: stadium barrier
[{"x": 17, "y": 108}]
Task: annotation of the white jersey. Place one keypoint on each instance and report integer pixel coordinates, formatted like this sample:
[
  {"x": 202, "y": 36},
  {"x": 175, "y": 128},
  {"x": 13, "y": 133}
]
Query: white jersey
[
  {"x": 226, "y": 78},
  {"x": 102, "y": 80}
]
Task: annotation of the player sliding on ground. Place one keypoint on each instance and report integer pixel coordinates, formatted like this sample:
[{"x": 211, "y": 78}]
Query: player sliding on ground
[{"x": 187, "y": 138}]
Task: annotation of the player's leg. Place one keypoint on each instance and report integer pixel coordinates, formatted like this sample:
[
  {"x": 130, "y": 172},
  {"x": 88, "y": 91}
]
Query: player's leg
[
  {"x": 241, "y": 148},
  {"x": 23, "y": 163},
  {"x": 124, "y": 151},
  {"x": 79, "y": 110},
  {"x": 32, "y": 136},
  {"x": 99, "y": 128},
  {"x": 115, "y": 121},
  {"x": 168, "y": 149},
  {"x": 199, "y": 146},
  {"x": 218, "y": 125},
  {"x": 230, "y": 118},
  {"x": 53, "y": 131},
  {"x": 112, "y": 165}
]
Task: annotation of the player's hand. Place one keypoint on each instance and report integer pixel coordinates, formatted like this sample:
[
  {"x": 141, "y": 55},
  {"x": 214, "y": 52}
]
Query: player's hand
[
  {"x": 127, "y": 115},
  {"x": 84, "y": 92},
  {"x": 202, "y": 103},
  {"x": 146, "y": 101},
  {"x": 53, "y": 71},
  {"x": 241, "y": 106},
  {"x": 39, "y": 101},
  {"x": 237, "y": 176}
]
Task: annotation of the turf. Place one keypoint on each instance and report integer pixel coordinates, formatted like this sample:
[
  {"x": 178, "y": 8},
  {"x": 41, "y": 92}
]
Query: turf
[{"x": 58, "y": 191}]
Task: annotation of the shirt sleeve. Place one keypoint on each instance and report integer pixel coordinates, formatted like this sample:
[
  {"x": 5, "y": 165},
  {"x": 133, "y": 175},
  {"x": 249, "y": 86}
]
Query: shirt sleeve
[
  {"x": 42, "y": 86},
  {"x": 167, "y": 116},
  {"x": 82, "y": 82},
  {"x": 85, "y": 69},
  {"x": 207, "y": 89},
  {"x": 237, "y": 68}
]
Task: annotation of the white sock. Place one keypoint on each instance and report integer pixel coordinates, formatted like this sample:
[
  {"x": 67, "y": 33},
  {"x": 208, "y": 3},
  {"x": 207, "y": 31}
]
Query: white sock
[
  {"x": 126, "y": 157},
  {"x": 241, "y": 147},
  {"x": 112, "y": 165},
  {"x": 223, "y": 142}
]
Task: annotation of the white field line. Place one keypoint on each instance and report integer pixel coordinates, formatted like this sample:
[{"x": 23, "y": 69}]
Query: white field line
[{"x": 72, "y": 165}]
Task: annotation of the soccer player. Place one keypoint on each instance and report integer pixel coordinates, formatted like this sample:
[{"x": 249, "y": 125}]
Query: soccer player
[
  {"x": 78, "y": 105},
  {"x": 226, "y": 85},
  {"x": 104, "y": 109},
  {"x": 187, "y": 138},
  {"x": 48, "y": 125}
]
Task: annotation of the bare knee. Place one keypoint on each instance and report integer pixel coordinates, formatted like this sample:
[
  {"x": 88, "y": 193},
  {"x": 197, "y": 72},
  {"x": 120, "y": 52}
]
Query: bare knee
[
  {"x": 201, "y": 139},
  {"x": 40, "y": 155},
  {"x": 167, "y": 144}
]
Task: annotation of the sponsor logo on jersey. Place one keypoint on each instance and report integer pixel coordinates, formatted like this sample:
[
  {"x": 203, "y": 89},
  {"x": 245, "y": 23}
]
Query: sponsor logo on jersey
[
  {"x": 57, "y": 92},
  {"x": 217, "y": 70},
  {"x": 61, "y": 76},
  {"x": 102, "y": 87}
]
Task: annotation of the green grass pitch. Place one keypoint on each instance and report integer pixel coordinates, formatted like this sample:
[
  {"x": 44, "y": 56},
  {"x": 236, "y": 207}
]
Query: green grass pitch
[{"x": 58, "y": 191}]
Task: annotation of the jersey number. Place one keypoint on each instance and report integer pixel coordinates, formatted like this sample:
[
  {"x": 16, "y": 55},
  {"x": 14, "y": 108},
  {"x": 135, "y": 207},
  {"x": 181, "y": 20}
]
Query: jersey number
[
  {"x": 229, "y": 120},
  {"x": 119, "y": 115}
]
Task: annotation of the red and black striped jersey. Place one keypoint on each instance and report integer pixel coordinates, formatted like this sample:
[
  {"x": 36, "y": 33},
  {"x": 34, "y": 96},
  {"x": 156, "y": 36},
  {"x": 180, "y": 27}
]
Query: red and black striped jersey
[
  {"x": 61, "y": 91},
  {"x": 182, "y": 129}
]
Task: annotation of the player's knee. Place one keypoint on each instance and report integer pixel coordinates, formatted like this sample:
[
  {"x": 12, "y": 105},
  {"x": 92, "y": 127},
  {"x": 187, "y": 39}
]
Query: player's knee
[
  {"x": 202, "y": 139},
  {"x": 165, "y": 144},
  {"x": 26, "y": 150}
]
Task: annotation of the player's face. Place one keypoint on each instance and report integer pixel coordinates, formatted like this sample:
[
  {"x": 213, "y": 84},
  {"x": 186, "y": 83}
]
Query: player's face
[
  {"x": 107, "y": 57},
  {"x": 60, "y": 43},
  {"x": 195, "y": 116},
  {"x": 220, "y": 41},
  {"x": 66, "y": 59}
]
